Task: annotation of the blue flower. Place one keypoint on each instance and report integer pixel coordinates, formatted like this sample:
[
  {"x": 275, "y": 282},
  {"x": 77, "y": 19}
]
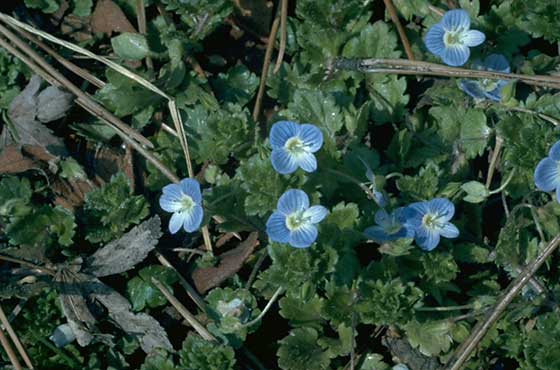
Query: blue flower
[
  {"x": 451, "y": 38},
  {"x": 294, "y": 221},
  {"x": 184, "y": 200},
  {"x": 430, "y": 220},
  {"x": 389, "y": 226},
  {"x": 293, "y": 146},
  {"x": 487, "y": 88},
  {"x": 547, "y": 173}
]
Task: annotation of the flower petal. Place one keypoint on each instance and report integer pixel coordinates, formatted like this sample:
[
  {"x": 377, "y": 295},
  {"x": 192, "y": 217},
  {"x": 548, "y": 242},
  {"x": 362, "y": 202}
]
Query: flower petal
[
  {"x": 382, "y": 218},
  {"x": 554, "y": 151},
  {"x": 456, "y": 19},
  {"x": 316, "y": 214},
  {"x": 379, "y": 234},
  {"x": 172, "y": 191},
  {"x": 496, "y": 94},
  {"x": 62, "y": 335},
  {"x": 281, "y": 131},
  {"x": 312, "y": 137},
  {"x": 473, "y": 89},
  {"x": 449, "y": 231},
  {"x": 405, "y": 232},
  {"x": 304, "y": 236},
  {"x": 415, "y": 212},
  {"x": 427, "y": 239},
  {"x": 191, "y": 187},
  {"x": 276, "y": 228},
  {"x": 455, "y": 55},
  {"x": 293, "y": 200},
  {"x": 497, "y": 62},
  {"x": 283, "y": 162},
  {"x": 193, "y": 219},
  {"x": 558, "y": 194},
  {"x": 443, "y": 207},
  {"x": 434, "y": 40},
  {"x": 176, "y": 221},
  {"x": 169, "y": 204},
  {"x": 473, "y": 38},
  {"x": 307, "y": 162},
  {"x": 547, "y": 177}
]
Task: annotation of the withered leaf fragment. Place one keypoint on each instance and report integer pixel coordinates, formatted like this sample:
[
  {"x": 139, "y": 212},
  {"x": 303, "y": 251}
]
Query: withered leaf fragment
[
  {"x": 230, "y": 262},
  {"x": 123, "y": 254}
]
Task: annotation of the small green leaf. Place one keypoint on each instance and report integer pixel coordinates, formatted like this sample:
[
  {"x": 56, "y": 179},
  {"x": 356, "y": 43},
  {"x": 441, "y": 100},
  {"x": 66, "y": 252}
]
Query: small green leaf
[
  {"x": 200, "y": 354},
  {"x": 300, "y": 351},
  {"x": 476, "y": 192},
  {"x": 143, "y": 293},
  {"x": 132, "y": 46},
  {"x": 238, "y": 85},
  {"x": 431, "y": 338}
]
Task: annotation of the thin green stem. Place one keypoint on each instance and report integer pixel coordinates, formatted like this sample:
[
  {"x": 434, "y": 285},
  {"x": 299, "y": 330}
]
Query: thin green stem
[
  {"x": 266, "y": 309},
  {"x": 447, "y": 308},
  {"x": 505, "y": 183}
]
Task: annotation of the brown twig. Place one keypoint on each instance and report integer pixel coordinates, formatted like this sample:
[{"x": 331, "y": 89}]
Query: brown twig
[
  {"x": 191, "y": 291},
  {"x": 494, "y": 161},
  {"x": 189, "y": 317},
  {"x": 400, "y": 29},
  {"x": 15, "y": 339},
  {"x": 29, "y": 265},
  {"x": 91, "y": 104},
  {"x": 283, "y": 35},
  {"x": 9, "y": 351},
  {"x": 264, "y": 73},
  {"x": 413, "y": 67},
  {"x": 141, "y": 20},
  {"x": 464, "y": 351},
  {"x": 65, "y": 62}
]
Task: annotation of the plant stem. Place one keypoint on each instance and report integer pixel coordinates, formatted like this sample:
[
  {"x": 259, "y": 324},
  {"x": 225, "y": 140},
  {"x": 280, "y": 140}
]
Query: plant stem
[
  {"x": 494, "y": 161},
  {"x": 411, "y": 67},
  {"x": 15, "y": 339},
  {"x": 283, "y": 35},
  {"x": 448, "y": 308},
  {"x": 264, "y": 73},
  {"x": 505, "y": 183},
  {"x": 479, "y": 331},
  {"x": 266, "y": 308},
  {"x": 395, "y": 18}
]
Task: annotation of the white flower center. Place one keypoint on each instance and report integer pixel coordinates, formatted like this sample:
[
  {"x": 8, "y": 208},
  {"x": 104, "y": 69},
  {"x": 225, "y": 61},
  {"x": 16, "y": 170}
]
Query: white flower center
[
  {"x": 452, "y": 38},
  {"x": 488, "y": 85},
  {"x": 432, "y": 221},
  {"x": 295, "y": 146},
  {"x": 296, "y": 220},
  {"x": 187, "y": 203}
]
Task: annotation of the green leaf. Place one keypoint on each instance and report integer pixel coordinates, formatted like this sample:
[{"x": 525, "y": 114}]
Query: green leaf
[
  {"x": 46, "y": 6},
  {"x": 476, "y": 192},
  {"x": 263, "y": 185},
  {"x": 374, "y": 361},
  {"x": 132, "y": 46},
  {"x": 320, "y": 109},
  {"x": 42, "y": 227},
  {"x": 421, "y": 187},
  {"x": 143, "y": 293},
  {"x": 15, "y": 196},
  {"x": 465, "y": 128},
  {"x": 301, "y": 311},
  {"x": 71, "y": 169},
  {"x": 200, "y": 354},
  {"x": 542, "y": 344},
  {"x": 82, "y": 8},
  {"x": 300, "y": 351},
  {"x": 238, "y": 85},
  {"x": 387, "y": 302},
  {"x": 158, "y": 360},
  {"x": 345, "y": 216},
  {"x": 112, "y": 209},
  {"x": 431, "y": 338}
]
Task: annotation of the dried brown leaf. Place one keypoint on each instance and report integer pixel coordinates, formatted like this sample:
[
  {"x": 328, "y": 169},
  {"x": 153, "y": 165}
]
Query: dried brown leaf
[
  {"x": 230, "y": 263},
  {"x": 123, "y": 254},
  {"x": 108, "y": 17},
  {"x": 28, "y": 131},
  {"x": 13, "y": 161},
  {"x": 144, "y": 327}
]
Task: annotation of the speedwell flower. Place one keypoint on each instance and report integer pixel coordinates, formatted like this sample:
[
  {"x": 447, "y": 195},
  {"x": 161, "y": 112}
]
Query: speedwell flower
[
  {"x": 294, "y": 221},
  {"x": 184, "y": 200},
  {"x": 389, "y": 226},
  {"x": 486, "y": 88},
  {"x": 547, "y": 173},
  {"x": 451, "y": 38},
  {"x": 293, "y": 146},
  {"x": 430, "y": 221}
]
